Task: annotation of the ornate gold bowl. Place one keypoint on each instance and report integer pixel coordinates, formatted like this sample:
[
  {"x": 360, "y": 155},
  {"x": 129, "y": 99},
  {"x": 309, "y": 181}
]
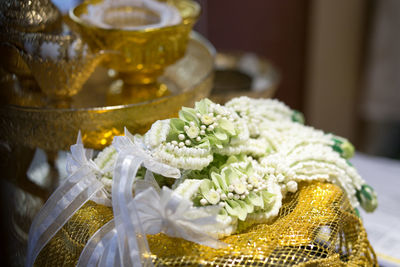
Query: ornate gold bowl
[
  {"x": 61, "y": 75},
  {"x": 139, "y": 56}
]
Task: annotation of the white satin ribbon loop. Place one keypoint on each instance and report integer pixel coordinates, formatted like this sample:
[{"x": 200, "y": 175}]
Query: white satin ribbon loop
[
  {"x": 69, "y": 197},
  {"x": 102, "y": 197},
  {"x": 80, "y": 157},
  {"x": 131, "y": 239},
  {"x": 132, "y": 154},
  {"x": 175, "y": 216},
  {"x": 94, "y": 250},
  {"x": 58, "y": 210},
  {"x": 148, "y": 181}
]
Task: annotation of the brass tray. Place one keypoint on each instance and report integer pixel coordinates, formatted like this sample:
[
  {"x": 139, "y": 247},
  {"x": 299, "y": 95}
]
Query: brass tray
[
  {"x": 243, "y": 73},
  {"x": 51, "y": 129}
]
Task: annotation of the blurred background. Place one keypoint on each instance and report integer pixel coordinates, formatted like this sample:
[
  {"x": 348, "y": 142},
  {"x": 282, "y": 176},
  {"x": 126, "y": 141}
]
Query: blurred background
[{"x": 339, "y": 60}]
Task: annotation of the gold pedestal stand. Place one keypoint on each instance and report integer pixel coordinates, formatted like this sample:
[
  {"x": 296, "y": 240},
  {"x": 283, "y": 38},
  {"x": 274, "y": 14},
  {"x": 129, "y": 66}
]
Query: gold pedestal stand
[
  {"x": 47, "y": 97},
  {"x": 189, "y": 80},
  {"x": 56, "y": 81}
]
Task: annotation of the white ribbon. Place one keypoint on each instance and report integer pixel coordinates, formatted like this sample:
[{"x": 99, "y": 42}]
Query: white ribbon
[
  {"x": 148, "y": 181},
  {"x": 122, "y": 241},
  {"x": 97, "y": 244},
  {"x": 133, "y": 247},
  {"x": 83, "y": 157},
  {"x": 169, "y": 213},
  {"x": 69, "y": 197},
  {"x": 164, "y": 212},
  {"x": 127, "y": 233}
]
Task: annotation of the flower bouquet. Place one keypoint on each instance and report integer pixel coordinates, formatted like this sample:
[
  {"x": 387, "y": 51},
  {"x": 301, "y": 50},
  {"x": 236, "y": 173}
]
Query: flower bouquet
[{"x": 241, "y": 184}]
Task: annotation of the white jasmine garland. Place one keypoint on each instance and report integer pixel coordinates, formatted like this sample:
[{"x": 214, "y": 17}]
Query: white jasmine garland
[
  {"x": 183, "y": 157},
  {"x": 105, "y": 160},
  {"x": 188, "y": 188},
  {"x": 244, "y": 158},
  {"x": 252, "y": 146},
  {"x": 157, "y": 133}
]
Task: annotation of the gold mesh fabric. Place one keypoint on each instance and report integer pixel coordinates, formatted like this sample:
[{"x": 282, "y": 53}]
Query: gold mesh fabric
[
  {"x": 315, "y": 227},
  {"x": 66, "y": 246}
]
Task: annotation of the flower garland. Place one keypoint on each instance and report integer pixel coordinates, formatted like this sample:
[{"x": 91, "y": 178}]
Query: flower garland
[
  {"x": 210, "y": 173},
  {"x": 244, "y": 158}
]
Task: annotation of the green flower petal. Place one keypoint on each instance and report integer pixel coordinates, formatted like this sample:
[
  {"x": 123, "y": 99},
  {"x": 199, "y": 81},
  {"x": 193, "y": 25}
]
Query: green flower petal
[
  {"x": 256, "y": 199},
  {"x": 343, "y": 147},
  {"x": 214, "y": 141},
  {"x": 268, "y": 199},
  {"x": 176, "y": 128},
  {"x": 202, "y": 106},
  {"x": 235, "y": 209},
  {"x": 227, "y": 126},
  {"x": 221, "y": 135},
  {"x": 219, "y": 181},
  {"x": 205, "y": 186},
  {"x": 248, "y": 206},
  {"x": 177, "y": 124},
  {"x": 188, "y": 115}
]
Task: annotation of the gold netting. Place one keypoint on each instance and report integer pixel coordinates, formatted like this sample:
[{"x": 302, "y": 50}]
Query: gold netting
[{"x": 315, "y": 227}]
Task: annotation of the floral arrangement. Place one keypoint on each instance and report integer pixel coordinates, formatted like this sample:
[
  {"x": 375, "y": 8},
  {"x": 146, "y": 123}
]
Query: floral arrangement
[{"x": 213, "y": 172}]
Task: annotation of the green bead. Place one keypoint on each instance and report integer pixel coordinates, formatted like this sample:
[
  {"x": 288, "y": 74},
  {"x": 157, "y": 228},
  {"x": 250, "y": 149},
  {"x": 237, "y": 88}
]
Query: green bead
[
  {"x": 357, "y": 212},
  {"x": 348, "y": 150},
  {"x": 297, "y": 116},
  {"x": 343, "y": 147},
  {"x": 367, "y": 198}
]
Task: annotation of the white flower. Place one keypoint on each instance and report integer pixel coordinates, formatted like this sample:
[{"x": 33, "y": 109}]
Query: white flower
[
  {"x": 207, "y": 119},
  {"x": 105, "y": 160},
  {"x": 213, "y": 197},
  {"x": 239, "y": 188},
  {"x": 193, "y": 131}
]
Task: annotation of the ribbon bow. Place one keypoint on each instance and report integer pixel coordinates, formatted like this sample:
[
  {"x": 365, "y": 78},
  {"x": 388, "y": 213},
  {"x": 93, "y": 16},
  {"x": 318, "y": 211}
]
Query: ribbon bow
[
  {"x": 175, "y": 216},
  {"x": 151, "y": 211},
  {"x": 131, "y": 145},
  {"x": 122, "y": 241},
  {"x": 80, "y": 157},
  {"x": 131, "y": 156},
  {"x": 157, "y": 212}
]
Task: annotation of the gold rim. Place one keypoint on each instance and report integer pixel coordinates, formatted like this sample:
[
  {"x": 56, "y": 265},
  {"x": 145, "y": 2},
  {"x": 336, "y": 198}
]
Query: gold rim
[{"x": 75, "y": 13}]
